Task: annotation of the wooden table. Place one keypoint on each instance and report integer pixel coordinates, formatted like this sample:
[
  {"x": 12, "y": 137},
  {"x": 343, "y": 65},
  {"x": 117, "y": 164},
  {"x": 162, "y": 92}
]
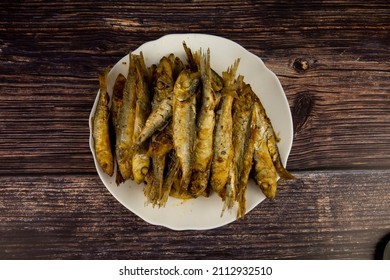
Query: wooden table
[{"x": 333, "y": 60}]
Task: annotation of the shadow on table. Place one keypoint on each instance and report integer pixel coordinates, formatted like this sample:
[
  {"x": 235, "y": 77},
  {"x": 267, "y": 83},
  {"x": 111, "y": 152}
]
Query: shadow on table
[{"x": 380, "y": 247}]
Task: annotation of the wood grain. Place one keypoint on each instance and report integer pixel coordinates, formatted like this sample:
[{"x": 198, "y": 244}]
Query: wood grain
[
  {"x": 75, "y": 217},
  {"x": 333, "y": 61},
  {"x": 51, "y": 56}
]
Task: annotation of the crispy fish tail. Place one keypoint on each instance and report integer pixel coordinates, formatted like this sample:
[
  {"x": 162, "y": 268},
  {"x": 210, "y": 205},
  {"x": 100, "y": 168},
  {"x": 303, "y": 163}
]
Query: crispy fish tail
[
  {"x": 190, "y": 58},
  {"x": 274, "y": 152},
  {"x": 173, "y": 169},
  {"x": 159, "y": 148},
  {"x": 230, "y": 190},
  {"x": 154, "y": 185}
]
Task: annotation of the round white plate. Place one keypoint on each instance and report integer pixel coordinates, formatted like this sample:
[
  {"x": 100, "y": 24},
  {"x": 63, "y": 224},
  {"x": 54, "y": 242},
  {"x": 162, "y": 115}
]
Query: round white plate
[{"x": 202, "y": 213}]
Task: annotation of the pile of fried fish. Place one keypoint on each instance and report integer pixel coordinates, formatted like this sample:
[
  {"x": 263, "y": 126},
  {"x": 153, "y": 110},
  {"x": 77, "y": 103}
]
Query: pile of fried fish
[{"x": 185, "y": 131}]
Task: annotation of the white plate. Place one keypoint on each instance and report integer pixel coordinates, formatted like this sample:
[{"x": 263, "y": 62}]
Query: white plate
[{"x": 202, "y": 213}]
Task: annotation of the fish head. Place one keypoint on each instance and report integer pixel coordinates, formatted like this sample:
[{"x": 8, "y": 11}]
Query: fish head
[
  {"x": 164, "y": 72},
  {"x": 164, "y": 82},
  {"x": 188, "y": 81}
]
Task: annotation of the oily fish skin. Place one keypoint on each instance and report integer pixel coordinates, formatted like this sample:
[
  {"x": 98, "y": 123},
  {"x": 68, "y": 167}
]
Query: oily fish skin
[
  {"x": 243, "y": 143},
  {"x": 101, "y": 131},
  {"x": 267, "y": 161},
  {"x": 186, "y": 132},
  {"x": 162, "y": 101},
  {"x": 161, "y": 142},
  {"x": 141, "y": 159},
  {"x": 124, "y": 139},
  {"x": 203, "y": 153},
  {"x": 183, "y": 120},
  {"x": 223, "y": 143},
  {"x": 116, "y": 104}
]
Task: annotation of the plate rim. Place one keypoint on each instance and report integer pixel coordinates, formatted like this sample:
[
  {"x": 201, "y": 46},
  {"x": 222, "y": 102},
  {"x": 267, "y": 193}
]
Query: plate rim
[{"x": 175, "y": 36}]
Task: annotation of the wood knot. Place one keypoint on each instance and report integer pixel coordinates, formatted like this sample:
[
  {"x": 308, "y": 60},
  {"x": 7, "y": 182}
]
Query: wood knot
[
  {"x": 301, "y": 109},
  {"x": 301, "y": 65}
]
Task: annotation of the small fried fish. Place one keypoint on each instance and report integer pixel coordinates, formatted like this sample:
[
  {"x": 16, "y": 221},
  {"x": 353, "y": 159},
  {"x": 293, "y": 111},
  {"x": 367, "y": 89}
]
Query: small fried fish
[
  {"x": 124, "y": 140},
  {"x": 141, "y": 160},
  {"x": 263, "y": 170},
  {"x": 203, "y": 153},
  {"x": 223, "y": 143},
  {"x": 101, "y": 133},
  {"x": 116, "y": 104},
  {"x": 243, "y": 142},
  {"x": 184, "y": 111},
  {"x": 271, "y": 139}
]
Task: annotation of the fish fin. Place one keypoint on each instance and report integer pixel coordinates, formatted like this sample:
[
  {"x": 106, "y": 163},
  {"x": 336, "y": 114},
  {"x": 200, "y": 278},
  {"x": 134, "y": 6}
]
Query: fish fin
[{"x": 190, "y": 58}]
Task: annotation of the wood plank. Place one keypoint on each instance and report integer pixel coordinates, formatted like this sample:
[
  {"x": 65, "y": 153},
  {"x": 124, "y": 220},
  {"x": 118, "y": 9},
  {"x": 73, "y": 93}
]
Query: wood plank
[
  {"x": 320, "y": 215},
  {"x": 332, "y": 59}
]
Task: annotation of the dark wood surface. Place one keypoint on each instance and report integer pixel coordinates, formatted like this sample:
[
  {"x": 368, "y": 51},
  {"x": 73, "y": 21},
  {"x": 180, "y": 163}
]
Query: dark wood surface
[{"x": 333, "y": 60}]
